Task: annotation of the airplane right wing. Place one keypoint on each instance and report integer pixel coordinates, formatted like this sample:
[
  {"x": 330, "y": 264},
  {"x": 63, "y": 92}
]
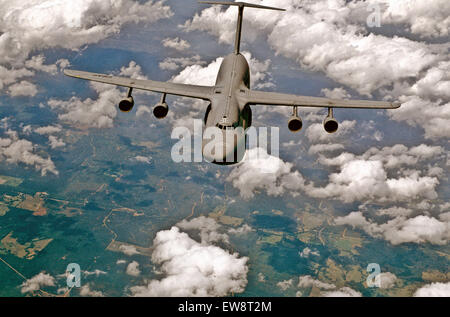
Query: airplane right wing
[
  {"x": 254, "y": 97},
  {"x": 192, "y": 91}
]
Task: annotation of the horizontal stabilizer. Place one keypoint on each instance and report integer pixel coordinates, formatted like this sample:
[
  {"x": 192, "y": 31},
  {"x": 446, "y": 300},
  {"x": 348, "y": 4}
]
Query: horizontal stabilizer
[{"x": 241, "y": 4}]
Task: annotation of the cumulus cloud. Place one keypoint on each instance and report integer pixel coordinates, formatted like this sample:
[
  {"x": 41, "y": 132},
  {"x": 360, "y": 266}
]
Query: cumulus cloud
[
  {"x": 366, "y": 177},
  {"x": 55, "y": 142},
  {"x": 48, "y": 130},
  {"x": 36, "y": 282},
  {"x": 419, "y": 229},
  {"x": 261, "y": 171},
  {"x": 192, "y": 268},
  {"x": 26, "y": 28},
  {"x": 86, "y": 291},
  {"x": 284, "y": 285},
  {"x": 176, "y": 43},
  {"x": 45, "y": 24},
  {"x": 306, "y": 281},
  {"x": 24, "y": 88},
  {"x": 319, "y": 148},
  {"x": 143, "y": 159},
  {"x": 343, "y": 292},
  {"x": 326, "y": 289},
  {"x": 244, "y": 229},
  {"x": 207, "y": 227},
  {"x": 128, "y": 249},
  {"x": 133, "y": 269},
  {"x": 15, "y": 150},
  {"x": 174, "y": 63},
  {"x": 387, "y": 279},
  {"x": 306, "y": 252},
  {"x": 434, "y": 290},
  {"x": 96, "y": 272},
  {"x": 336, "y": 93}
]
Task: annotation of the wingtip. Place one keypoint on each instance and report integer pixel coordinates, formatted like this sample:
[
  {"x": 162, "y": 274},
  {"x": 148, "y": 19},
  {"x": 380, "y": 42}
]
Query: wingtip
[{"x": 396, "y": 105}]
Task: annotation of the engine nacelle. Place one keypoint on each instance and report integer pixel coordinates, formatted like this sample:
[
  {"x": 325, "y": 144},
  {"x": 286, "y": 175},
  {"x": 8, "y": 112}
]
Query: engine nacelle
[
  {"x": 127, "y": 104},
  {"x": 330, "y": 124},
  {"x": 295, "y": 124},
  {"x": 161, "y": 110}
]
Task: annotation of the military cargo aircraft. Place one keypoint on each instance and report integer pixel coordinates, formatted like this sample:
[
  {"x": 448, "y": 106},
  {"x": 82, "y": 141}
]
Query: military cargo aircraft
[{"x": 230, "y": 99}]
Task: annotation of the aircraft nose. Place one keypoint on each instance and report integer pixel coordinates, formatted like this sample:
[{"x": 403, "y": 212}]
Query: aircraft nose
[
  {"x": 216, "y": 151},
  {"x": 224, "y": 150}
]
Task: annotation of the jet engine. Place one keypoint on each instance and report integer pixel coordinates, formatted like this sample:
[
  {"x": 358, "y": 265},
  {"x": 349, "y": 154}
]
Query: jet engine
[
  {"x": 330, "y": 124},
  {"x": 295, "y": 123},
  {"x": 127, "y": 104},
  {"x": 161, "y": 109}
]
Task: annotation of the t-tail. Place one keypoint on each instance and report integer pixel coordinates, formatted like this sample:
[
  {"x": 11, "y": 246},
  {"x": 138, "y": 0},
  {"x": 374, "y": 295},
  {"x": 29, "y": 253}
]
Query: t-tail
[{"x": 241, "y": 5}]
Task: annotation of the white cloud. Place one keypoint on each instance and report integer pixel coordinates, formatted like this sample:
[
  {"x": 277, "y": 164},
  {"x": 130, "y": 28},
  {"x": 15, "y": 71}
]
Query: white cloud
[
  {"x": 48, "y": 130},
  {"x": 36, "y": 282},
  {"x": 244, "y": 229},
  {"x": 96, "y": 272},
  {"x": 39, "y": 25},
  {"x": 45, "y": 24},
  {"x": 419, "y": 229},
  {"x": 428, "y": 19},
  {"x": 434, "y": 290},
  {"x": 342, "y": 292},
  {"x": 37, "y": 63},
  {"x": 284, "y": 285},
  {"x": 128, "y": 249},
  {"x": 133, "y": 269},
  {"x": 367, "y": 180},
  {"x": 176, "y": 43},
  {"x": 143, "y": 159},
  {"x": 174, "y": 63},
  {"x": 306, "y": 281},
  {"x": 208, "y": 228},
  {"x": 193, "y": 269},
  {"x": 306, "y": 252},
  {"x": 319, "y": 148},
  {"x": 261, "y": 171},
  {"x": 24, "y": 88},
  {"x": 199, "y": 75},
  {"x": 133, "y": 70},
  {"x": 336, "y": 93},
  {"x": 86, "y": 291},
  {"x": 55, "y": 142},
  {"x": 15, "y": 150},
  {"x": 387, "y": 279}
]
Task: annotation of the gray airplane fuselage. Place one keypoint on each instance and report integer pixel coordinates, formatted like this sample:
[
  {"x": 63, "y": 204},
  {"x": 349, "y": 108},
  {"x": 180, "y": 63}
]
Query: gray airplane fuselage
[{"x": 225, "y": 112}]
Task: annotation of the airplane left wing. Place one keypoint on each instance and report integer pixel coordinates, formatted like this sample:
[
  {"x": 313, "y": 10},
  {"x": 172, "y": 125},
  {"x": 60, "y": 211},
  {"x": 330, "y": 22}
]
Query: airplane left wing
[
  {"x": 192, "y": 91},
  {"x": 254, "y": 97}
]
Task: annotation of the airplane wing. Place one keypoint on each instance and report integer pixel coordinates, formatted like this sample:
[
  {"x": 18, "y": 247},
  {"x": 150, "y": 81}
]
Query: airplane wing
[
  {"x": 253, "y": 97},
  {"x": 192, "y": 91}
]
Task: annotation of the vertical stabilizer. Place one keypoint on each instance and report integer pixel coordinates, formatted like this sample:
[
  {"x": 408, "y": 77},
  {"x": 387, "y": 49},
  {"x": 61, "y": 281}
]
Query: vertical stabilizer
[{"x": 241, "y": 5}]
